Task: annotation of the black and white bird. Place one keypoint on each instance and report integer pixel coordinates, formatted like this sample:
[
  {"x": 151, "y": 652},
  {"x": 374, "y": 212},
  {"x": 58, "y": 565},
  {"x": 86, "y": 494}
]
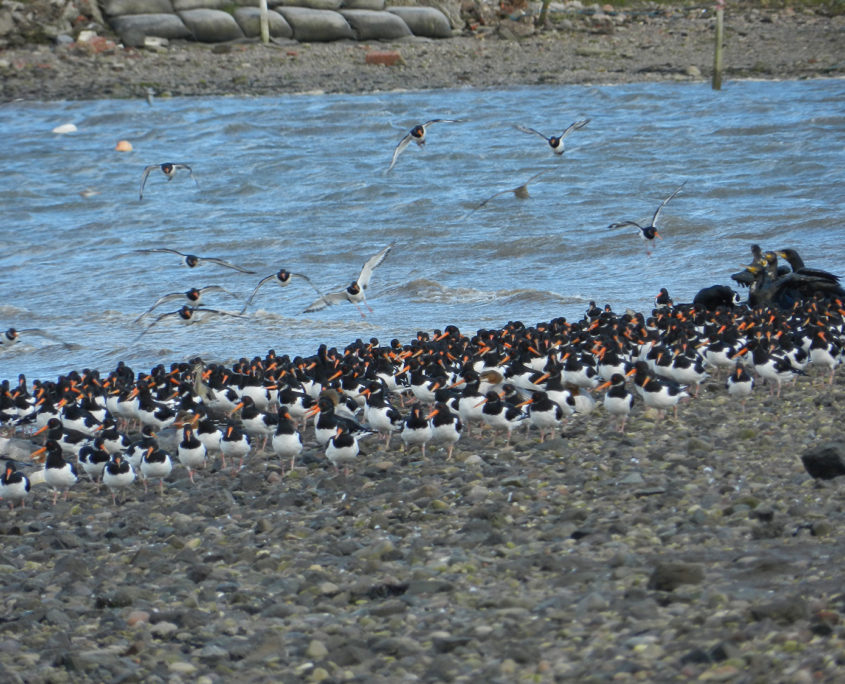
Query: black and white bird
[
  {"x": 416, "y": 429},
  {"x": 14, "y": 486},
  {"x": 649, "y": 232},
  {"x": 283, "y": 277},
  {"x": 343, "y": 449},
  {"x": 192, "y": 260},
  {"x": 192, "y": 297},
  {"x": 59, "y": 475},
  {"x": 286, "y": 442},
  {"x": 235, "y": 445},
  {"x": 556, "y": 141},
  {"x": 740, "y": 384},
  {"x": 543, "y": 413},
  {"x": 416, "y": 134},
  {"x": 446, "y": 427},
  {"x": 156, "y": 464},
  {"x": 118, "y": 475},
  {"x": 169, "y": 169},
  {"x": 191, "y": 452},
  {"x": 186, "y": 314},
  {"x": 379, "y": 414},
  {"x": 355, "y": 292},
  {"x": 617, "y": 400}
]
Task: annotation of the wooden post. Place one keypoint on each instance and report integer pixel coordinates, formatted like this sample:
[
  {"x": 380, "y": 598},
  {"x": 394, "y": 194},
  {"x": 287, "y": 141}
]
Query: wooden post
[
  {"x": 263, "y": 22},
  {"x": 717, "y": 56}
]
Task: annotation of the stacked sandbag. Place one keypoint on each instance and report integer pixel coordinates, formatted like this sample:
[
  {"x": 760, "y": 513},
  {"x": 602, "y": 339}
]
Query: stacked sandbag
[
  {"x": 134, "y": 20},
  {"x": 214, "y": 21}
]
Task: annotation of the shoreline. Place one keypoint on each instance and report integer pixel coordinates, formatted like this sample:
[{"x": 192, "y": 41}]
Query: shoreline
[
  {"x": 668, "y": 552},
  {"x": 673, "y": 44}
]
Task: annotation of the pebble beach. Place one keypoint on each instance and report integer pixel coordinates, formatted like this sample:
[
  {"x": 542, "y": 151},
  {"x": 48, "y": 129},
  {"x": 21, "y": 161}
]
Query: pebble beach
[{"x": 695, "y": 548}]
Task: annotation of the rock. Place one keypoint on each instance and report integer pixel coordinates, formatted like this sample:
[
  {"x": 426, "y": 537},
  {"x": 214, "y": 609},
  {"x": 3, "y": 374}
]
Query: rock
[
  {"x": 316, "y": 650},
  {"x": 669, "y": 576},
  {"x": 785, "y": 610},
  {"x": 825, "y": 461}
]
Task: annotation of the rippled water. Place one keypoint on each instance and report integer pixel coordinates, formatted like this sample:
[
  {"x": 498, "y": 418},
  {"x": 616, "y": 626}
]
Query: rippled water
[{"x": 299, "y": 182}]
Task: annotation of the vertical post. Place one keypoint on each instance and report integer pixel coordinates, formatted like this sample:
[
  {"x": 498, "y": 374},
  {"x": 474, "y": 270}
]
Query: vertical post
[
  {"x": 717, "y": 56},
  {"x": 263, "y": 22}
]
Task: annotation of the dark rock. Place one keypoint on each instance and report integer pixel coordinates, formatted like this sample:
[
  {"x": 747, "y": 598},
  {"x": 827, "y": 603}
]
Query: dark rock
[
  {"x": 785, "y": 610},
  {"x": 825, "y": 461},
  {"x": 198, "y": 573},
  {"x": 669, "y": 576}
]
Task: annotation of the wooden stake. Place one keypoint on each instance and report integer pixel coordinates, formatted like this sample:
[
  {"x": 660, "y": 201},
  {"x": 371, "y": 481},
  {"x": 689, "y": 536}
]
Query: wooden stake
[
  {"x": 263, "y": 21},
  {"x": 717, "y": 57}
]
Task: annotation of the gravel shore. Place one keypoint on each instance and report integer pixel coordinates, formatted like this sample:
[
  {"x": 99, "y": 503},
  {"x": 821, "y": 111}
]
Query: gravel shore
[
  {"x": 695, "y": 548},
  {"x": 688, "y": 549},
  {"x": 582, "y": 46}
]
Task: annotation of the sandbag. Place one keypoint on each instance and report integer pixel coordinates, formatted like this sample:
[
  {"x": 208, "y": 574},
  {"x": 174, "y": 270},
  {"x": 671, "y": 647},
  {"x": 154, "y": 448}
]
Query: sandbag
[
  {"x": 248, "y": 19},
  {"x": 116, "y": 8},
  {"x": 426, "y": 22},
  {"x": 317, "y": 26},
  {"x": 211, "y": 26},
  {"x": 370, "y": 25},
  {"x": 133, "y": 28}
]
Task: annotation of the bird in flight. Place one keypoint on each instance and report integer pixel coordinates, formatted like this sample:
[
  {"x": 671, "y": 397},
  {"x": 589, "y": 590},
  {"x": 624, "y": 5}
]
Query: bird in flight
[
  {"x": 649, "y": 232},
  {"x": 283, "y": 277},
  {"x": 355, "y": 292},
  {"x": 185, "y": 314},
  {"x": 193, "y": 296},
  {"x": 417, "y": 135},
  {"x": 169, "y": 169},
  {"x": 520, "y": 191},
  {"x": 556, "y": 141},
  {"x": 192, "y": 260}
]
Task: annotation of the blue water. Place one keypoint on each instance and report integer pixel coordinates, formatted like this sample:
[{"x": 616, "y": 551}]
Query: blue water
[{"x": 299, "y": 182}]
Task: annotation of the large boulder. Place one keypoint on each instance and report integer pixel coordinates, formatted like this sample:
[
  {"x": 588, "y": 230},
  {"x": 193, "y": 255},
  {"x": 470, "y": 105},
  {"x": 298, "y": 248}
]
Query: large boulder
[
  {"x": 133, "y": 28},
  {"x": 116, "y": 8},
  {"x": 248, "y": 19},
  {"x": 371, "y": 25},
  {"x": 316, "y": 26},
  {"x": 427, "y": 22},
  {"x": 211, "y": 26}
]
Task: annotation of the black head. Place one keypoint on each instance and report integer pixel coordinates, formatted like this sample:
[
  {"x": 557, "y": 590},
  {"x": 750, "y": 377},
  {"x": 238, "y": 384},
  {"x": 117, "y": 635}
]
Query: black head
[{"x": 167, "y": 168}]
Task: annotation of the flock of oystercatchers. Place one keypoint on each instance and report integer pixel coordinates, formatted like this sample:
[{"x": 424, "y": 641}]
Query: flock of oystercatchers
[{"x": 431, "y": 391}]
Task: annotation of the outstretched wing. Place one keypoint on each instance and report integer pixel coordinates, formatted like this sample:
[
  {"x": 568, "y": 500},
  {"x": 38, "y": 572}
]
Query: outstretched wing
[
  {"x": 621, "y": 224},
  {"x": 326, "y": 300},
  {"x": 574, "y": 127},
  {"x": 261, "y": 282},
  {"x": 182, "y": 165},
  {"x": 664, "y": 203},
  {"x": 525, "y": 129},
  {"x": 370, "y": 265},
  {"x": 166, "y": 250},
  {"x": 147, "y": 170},
  {"x": 399, "y": 149},
  {"x": 221, "y": 262},
  {"x": 161, "y": 300}
]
